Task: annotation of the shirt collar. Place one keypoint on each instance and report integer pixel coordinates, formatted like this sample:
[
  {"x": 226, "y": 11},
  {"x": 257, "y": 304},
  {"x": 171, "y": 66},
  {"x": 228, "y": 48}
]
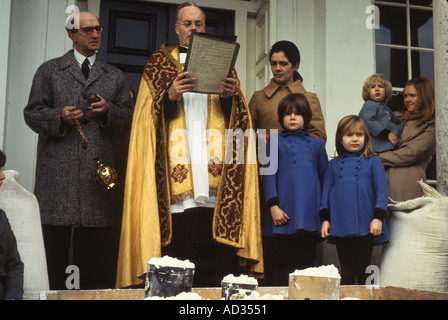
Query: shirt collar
[
  {"x": 286, "y": 133},
  {"x": 80, "y": 58}
]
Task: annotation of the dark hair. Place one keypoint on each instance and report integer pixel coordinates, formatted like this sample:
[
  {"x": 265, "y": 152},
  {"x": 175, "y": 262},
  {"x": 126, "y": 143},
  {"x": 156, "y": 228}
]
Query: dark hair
[
  {"x": 291, "y": 52},
  {"x": 187, "y": 4},
  {"x": 2, "y": 159},
  {"x": 295, "y": 102}
]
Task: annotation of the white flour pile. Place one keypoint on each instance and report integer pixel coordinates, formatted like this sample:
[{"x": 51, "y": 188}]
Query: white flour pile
[
  {"x": 329, "y": 271},
  {"x": 237, "y": 288},
  {"x": 256, "y": 296},
  {"x": 243, "y": 279},
  {"x": 180, "y": 296},
  {"x": 167, "y": 261}
]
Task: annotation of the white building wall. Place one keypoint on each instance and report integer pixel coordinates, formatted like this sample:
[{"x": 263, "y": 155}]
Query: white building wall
[
  {"x": 36, "y": 36},
  {"x": 349, "y": 60}
]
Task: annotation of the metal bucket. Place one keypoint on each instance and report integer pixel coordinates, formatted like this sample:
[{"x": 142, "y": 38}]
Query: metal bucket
[
  {"x": 237, "y": 291},
  {"x": 167, "y": 281}
]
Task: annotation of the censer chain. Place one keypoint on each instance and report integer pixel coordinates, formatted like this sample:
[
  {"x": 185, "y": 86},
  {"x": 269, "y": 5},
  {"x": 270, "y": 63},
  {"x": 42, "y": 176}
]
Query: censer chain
[{"x": 84, "y": 138}]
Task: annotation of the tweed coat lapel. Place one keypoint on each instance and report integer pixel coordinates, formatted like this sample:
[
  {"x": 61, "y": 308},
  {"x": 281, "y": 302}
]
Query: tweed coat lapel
[
  {"x": 69, "y": 61},
  {"x": 98, "y": 69}
]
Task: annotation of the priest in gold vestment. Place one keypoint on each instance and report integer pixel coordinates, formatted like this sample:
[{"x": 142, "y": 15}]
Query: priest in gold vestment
[{"x": 186, "y": 194}]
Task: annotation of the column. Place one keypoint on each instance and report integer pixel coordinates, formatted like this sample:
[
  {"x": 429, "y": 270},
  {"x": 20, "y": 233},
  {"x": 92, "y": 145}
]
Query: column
[
  {"x": 440, "y": 13},
  {"x": 5, "y": 19}
]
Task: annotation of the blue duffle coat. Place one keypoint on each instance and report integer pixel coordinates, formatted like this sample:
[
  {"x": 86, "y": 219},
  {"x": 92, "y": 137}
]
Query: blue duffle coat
[
  {"x": 380, "y": 120},
  {"x": 355, "y": 192},
  {"x": 296, "y": 186}
]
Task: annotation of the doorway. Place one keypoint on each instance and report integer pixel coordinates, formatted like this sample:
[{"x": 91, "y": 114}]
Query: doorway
[{"x": 133, "y": 30}]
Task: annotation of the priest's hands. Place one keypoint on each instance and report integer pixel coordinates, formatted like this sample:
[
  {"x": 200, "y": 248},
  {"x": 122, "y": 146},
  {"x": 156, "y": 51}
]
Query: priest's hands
[
  {"x": 229, "y": 87},
  {"x": 181, "y": 84}
]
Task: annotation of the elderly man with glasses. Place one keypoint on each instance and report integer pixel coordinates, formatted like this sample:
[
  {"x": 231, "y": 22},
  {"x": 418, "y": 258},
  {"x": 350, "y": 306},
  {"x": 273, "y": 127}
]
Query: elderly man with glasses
[
  {"x": 79, "y": 221},
  {"x": 181, "y": 198}
]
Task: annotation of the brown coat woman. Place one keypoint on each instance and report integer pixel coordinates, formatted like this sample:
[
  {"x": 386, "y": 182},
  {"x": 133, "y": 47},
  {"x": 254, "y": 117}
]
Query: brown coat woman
[
  {"x": 406, "y": 165},
  {"x": 284, "y": 58}
]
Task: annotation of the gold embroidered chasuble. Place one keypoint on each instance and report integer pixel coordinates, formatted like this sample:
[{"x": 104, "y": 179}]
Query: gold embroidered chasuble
[
  {"x": 181, "y": 181},
  {"x": 152, "y": 180}
]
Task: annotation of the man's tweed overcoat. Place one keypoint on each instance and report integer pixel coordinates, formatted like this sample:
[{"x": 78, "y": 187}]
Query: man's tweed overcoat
[{"x": 65, "y": 185}]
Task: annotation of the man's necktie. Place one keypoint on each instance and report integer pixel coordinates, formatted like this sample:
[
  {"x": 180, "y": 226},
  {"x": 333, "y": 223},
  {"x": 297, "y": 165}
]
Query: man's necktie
[{"x": 86, "y": 68}]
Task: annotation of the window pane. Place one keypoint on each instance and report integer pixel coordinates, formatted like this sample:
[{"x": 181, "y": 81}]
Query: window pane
[
  {"x": 394, "y": 1},
  {"x": 421, "y": 28},
  {"x": 423, "y": 3},
  {"x": 392, "y": 26},
  {"x": 396, "y": 102},
  {"x": 423, "y": 64},
  {"x": 393, "y": 63}
]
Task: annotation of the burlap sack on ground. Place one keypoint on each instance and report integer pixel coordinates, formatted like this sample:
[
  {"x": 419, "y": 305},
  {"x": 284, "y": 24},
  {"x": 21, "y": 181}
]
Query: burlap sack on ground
[
  {"x": 417, "y": 256},
  {"x": 22, "y": 209}
]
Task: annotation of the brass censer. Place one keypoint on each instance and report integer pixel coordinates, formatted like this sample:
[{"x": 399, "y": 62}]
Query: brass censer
[{"x": 105, "y": 175}]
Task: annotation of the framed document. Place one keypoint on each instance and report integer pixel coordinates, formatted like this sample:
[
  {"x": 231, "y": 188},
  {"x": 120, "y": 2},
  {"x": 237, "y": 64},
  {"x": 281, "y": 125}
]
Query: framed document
[{"x": 210, "y": 59}]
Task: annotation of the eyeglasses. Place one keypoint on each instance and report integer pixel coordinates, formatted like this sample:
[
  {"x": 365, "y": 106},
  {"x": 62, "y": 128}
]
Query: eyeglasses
[
  {"x": 89, "y": 30},
  {"x": 198, "y": 24}
]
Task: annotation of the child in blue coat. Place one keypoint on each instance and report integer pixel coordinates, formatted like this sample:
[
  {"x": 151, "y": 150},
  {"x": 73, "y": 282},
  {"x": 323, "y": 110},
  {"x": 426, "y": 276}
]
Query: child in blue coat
[
  {"x": 291, "y": 228},
  {"x": 383, "y": 125},
  {"x": 354, "y": 200}
]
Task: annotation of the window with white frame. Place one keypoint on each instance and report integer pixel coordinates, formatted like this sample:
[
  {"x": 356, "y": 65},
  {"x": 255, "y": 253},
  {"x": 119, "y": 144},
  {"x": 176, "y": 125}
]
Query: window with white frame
[
  {"x": 405, "y": 48},
  {"x": 404, "y": 40}
]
